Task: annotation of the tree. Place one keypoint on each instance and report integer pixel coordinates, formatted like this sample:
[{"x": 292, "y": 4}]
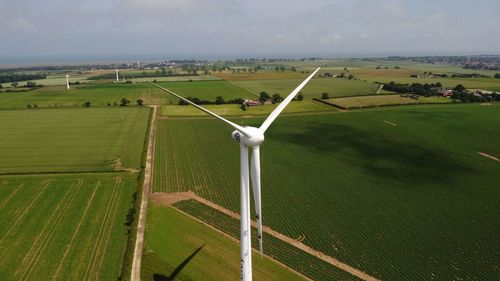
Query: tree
[
  {"x": 325, "y": 96},
  {"x": 300, "y": 97},
  {"x": 350, "y": 76},
  {"x": 140, "y": 102},
  {"x": 244, "y": 106},
  {"x": 459, "y": 88},
  {"x": 1, "y": 86},
  {"x": 14, "y": 84},
  {"x": 264, "y": 96},
  {"x": 277, "y": 98},
  {"x": 497, "y": 75},
  {"x": 124, "y": 102},
  {"x": 219, "y": 100},
  {"x": 86, "y": 104}
]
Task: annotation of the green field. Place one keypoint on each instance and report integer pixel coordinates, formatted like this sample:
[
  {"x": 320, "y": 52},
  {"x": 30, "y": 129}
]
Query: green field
[
  {"x": 412, "y": 202},
  {"x": 110, "y": 94},
  {"x": 335, "y": 87},
  {"x": 382, "y": 100},
  {"x": 208, "y": 90},
  {"x": 180, "y": 248},
  {"x": 69, "y": 140},
  {"x": 66, "y": 227},
  {"x": 235, "y": 109},
  {"x": 97, "y": 94}
]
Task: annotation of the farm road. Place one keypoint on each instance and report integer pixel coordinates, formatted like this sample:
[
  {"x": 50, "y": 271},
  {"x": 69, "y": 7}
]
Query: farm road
[{"x": 148, "y": 175}]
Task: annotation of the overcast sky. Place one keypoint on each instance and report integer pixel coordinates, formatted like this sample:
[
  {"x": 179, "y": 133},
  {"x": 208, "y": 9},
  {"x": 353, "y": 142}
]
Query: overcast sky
[{"x": 146, "y": 29}]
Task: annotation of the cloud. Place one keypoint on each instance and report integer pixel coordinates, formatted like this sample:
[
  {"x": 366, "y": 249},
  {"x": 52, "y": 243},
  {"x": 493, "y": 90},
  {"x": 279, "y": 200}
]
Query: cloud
[
  {"x": 196, "y": 27},
  {"x": 21, "y": 24}
]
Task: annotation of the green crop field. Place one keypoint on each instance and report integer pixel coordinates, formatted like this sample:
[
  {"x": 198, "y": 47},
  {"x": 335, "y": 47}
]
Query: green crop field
[
  {"x": 179, "y": 248},
  {"x": 382, "y": 100},
  {"x": 335, "y": 87},
  {"x": 235, "y": 109},
  {"x": 69, "y": 140},
  {"x": 292, "y": 257},
  {"x": 65, "y": 227},
  {"x": 413, "y": 201}
]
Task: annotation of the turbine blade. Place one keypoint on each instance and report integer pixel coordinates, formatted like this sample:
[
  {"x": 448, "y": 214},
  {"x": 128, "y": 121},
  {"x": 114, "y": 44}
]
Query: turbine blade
[
  {"x": 285, "y": 102},
  {"x": 255, "y": 176},
  {"x": 236, "y": 126}
]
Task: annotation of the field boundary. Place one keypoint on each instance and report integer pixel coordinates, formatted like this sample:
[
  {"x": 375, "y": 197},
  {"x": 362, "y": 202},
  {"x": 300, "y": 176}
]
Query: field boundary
[
  {"x": 171, "y": 198},
  {"x": 135, "y": 274}
]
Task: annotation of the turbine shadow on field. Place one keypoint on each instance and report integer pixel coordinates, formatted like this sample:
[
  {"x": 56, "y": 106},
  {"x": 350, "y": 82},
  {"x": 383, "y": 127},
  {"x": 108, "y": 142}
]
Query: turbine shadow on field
[
  {"x": 178, "y": 269},
  {"x": 382, "y": 156}
]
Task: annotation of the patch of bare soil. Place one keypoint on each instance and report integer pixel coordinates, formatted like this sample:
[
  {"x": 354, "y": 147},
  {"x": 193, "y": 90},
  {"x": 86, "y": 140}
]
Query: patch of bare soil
[
  {"x": 171, "y": 198},
  {"x": 118, "y": 166}
]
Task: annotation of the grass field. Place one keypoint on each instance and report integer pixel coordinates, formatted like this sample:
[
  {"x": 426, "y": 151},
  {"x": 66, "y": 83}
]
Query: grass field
[
  {"x": 413, "y": 201},
  {"x": 337, "y": 87},
  {"x": 69, "y": 140},
  {"x": 180, "y": 248},
  {"x": 234, "y": 109},
  {"x": 383, "y": 100},
  {"x": 65, "y": 227}
]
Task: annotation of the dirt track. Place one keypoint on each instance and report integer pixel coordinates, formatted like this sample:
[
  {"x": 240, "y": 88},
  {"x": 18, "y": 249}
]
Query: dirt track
[
  {"x": 171, "y": 198},
  {"x": 148, "y": 175}
]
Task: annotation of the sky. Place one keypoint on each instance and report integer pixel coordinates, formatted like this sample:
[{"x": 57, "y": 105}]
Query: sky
[{"x": 166, "y": 29}]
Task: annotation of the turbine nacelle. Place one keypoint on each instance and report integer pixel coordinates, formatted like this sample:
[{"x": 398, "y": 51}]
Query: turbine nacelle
[{"x": 255, "y": 138}]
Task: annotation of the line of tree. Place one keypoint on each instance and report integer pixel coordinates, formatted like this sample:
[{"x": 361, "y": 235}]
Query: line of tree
[
  {"x": 218, "y": 100},
  {"x": 18, "y": 77},
  {"x": 417, "y": 88},
  {"x": 461, "y": 93}
]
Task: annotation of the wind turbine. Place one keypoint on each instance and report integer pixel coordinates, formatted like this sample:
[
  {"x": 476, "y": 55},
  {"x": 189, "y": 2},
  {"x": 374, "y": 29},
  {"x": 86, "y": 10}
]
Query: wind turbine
[
  {"x": 249, "y": 137},
  {"x": 117, "y": 78},
  {"x": 67, "y": 81}
]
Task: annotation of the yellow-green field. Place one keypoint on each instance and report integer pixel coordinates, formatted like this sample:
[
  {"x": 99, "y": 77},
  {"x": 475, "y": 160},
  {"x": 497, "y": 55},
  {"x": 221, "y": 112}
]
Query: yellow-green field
[{"x": 383, "y": 100}]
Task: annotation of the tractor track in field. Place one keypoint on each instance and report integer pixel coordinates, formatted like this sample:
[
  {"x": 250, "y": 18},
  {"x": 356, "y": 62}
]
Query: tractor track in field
[
  {"x": 104, "y": 230},
  {"x": 135, "y": 274},
  {"x": 171, "y": 198},
  {"x": 43, "y": 238},
  {"x": 6, "y": 200},
  {"x": 75, "y": 233},
  {"x": 20, "y": 213}
]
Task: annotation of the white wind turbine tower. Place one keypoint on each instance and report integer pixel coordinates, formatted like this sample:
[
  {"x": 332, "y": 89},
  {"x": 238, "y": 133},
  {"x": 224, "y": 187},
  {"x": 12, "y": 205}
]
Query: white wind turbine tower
[
  {"x": 249, "y": 137},
  {"x": 117, "y": 78},
  {"x": 67, "y": 81}
]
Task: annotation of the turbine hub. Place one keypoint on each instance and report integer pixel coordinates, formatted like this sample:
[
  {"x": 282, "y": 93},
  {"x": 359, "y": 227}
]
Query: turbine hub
[{"x": 255, "y": 139}]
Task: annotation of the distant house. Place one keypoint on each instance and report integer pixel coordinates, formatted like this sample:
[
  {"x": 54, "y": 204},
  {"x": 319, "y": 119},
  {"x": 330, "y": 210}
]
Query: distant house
[
  {"x": 446, "y": 92},
  {"x": 252, "y": 102}
]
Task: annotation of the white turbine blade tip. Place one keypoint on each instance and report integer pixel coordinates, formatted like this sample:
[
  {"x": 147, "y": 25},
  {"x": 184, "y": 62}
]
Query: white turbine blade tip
[{"x": 285, "y": 102}]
